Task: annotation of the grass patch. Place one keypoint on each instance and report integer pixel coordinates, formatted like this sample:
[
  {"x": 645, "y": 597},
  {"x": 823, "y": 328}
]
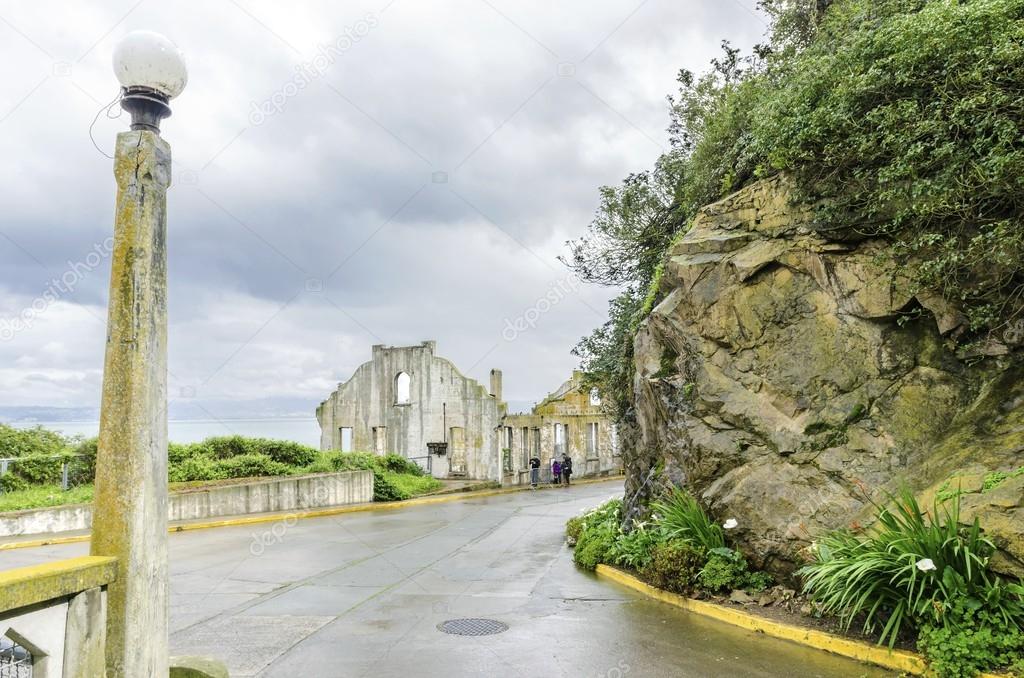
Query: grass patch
[
  {"x": 41, "y": 496},
  {"x": 391, "y": 486}
]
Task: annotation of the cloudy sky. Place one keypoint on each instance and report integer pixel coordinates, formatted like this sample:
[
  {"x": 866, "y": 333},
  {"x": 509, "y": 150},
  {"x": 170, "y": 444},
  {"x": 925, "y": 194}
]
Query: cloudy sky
[{"x": 346, "y": 174}]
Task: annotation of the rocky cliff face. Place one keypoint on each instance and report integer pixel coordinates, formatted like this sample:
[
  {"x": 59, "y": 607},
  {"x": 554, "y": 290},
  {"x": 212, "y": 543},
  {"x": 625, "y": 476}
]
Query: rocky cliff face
[{"x": 775, "y": 381}]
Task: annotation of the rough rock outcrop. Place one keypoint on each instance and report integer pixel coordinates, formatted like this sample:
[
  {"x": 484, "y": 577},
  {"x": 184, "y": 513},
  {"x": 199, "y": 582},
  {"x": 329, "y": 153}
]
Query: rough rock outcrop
[{"x": 776, "y": 381}]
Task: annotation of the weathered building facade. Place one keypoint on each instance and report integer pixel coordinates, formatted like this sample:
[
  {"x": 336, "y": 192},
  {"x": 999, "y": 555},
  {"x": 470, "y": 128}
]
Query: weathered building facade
[
  {"x": 407, "y": 397},
  {"x": 568, "y": 421},
  {"x": 411, "y": 402}
]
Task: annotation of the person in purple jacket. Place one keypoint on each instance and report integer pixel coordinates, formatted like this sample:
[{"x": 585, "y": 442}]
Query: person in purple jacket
[{"x": 556, "y": 472}]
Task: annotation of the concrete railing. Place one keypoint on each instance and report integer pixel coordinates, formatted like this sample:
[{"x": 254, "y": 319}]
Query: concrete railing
[
  {"x": 53, "y": 618},
  {"x": 286, "y": 493}
]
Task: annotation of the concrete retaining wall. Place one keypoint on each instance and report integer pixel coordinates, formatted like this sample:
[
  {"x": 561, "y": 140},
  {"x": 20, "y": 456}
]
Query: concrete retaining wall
[{"x": 273, "y": 494}]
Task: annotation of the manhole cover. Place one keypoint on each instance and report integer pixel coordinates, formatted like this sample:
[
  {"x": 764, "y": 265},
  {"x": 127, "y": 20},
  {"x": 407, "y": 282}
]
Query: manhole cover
[{"x": 472, "y": 627}]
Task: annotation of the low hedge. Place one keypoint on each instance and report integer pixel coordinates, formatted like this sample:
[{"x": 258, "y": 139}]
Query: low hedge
[{"x": 40, "y": 453}]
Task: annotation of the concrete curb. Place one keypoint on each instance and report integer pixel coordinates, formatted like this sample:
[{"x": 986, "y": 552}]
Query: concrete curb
[
  {"x": 313, "y": 513},
  {"x": 895, "y": 660}
]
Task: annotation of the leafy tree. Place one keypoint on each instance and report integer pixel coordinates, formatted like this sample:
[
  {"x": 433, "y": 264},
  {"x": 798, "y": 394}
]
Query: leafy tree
[
  {"x": 633, "y": 226},
  {"x": 903, "y": 120}
]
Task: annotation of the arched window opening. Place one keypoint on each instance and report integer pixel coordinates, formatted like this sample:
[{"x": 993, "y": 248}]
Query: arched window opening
[
  {"x": 595, "y": 397},
  {"x": 403, "y": 389}
]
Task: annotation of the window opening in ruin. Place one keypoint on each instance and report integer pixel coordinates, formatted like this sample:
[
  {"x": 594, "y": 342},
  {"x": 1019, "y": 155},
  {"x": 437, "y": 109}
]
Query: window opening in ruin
[
  {"x": 346, "y": 438},
  {"x": 592, "y": 441},
  {"x": 403, "y": 384}
]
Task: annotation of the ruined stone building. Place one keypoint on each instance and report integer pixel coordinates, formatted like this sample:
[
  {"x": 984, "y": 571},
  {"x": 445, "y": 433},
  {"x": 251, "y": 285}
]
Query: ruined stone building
[
  {"x": 568, "y": 421},
  {"x": 411, "y": 402},
  {"x": 407, "y": 398}
]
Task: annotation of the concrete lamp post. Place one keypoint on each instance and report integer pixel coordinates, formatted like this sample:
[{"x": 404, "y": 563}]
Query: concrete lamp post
[{"x": 130, "y": 506}]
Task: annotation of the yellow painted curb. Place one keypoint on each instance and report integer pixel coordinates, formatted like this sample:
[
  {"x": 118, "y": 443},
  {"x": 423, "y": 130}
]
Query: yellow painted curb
[
  {"x": 45, "y": 541},
  {"x": 897, "y": 660},
  {"x": 26, "y": 586},
  {"x": 299, "y": 515}
]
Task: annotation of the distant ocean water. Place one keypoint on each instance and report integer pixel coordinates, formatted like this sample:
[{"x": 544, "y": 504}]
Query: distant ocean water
[{"x": 304, "y": 430}]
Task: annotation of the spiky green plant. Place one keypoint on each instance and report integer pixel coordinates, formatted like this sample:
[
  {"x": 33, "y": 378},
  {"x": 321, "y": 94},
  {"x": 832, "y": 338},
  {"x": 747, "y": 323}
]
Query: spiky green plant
[
  {"x": 679, "y": 516},
  {"x": 908, "y": 570}
]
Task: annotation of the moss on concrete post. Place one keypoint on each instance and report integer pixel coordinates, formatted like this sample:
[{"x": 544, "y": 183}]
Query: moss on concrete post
[{"x": 130, "y": 514}]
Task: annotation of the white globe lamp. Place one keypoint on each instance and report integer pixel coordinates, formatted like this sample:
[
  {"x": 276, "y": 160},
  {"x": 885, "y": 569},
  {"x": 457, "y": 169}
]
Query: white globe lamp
[{"x": 151, "y": 71}]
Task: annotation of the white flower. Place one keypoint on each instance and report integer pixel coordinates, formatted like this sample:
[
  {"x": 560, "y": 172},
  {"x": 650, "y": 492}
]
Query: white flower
[
  {"x": 730, "y": 523},
  {"x": 926, "y": 565}
]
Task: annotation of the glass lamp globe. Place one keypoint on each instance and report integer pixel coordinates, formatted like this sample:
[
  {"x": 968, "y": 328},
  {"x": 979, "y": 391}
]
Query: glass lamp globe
[{"x": 146, "y": 60}]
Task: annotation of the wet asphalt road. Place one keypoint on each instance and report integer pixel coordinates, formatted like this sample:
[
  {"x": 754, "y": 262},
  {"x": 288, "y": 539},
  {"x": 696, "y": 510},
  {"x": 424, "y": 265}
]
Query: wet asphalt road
[{"x": 362, "y": 595}]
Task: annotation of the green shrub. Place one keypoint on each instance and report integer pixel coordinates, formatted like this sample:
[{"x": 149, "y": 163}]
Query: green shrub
[
  {"x": 673, "y": 566},
  {"x": 286, "y": 451},
  {"x": 225, "y": 447},
  {"x": 36, "y": 441},
  {"x": 903, "y": 119},
  {"x": 397, "y": 464},
  {"x": 909, "y": 569},
  {"x": 680, "y": 517},
  {"x": 215, "y": 458},
  {"x": 726, "y": 569},
  {"x": 573, "y": 527},
  {"x": 9, "y": 482},
  {"x": 354, "y": 461},
  {"x": 323, "y": 463},
  {"x": 39, "y": 469},
  {"x": 82, "y": 470},
  {"x": 249, "y": 466},
  {"x": 594, "y": 546},
  {"x": 193, "y": 469},
  {"x": 390, "y": 486},
  {"x": 969, "y": 640},
  {"x": 634, "y": 549},
  {"x": 597, "y": 537},
  {"x": 177, "y": 453}
]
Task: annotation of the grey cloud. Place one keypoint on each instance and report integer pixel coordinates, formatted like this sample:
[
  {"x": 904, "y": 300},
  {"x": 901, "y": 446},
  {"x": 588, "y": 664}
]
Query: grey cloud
[{"x": 345, "y": 177}]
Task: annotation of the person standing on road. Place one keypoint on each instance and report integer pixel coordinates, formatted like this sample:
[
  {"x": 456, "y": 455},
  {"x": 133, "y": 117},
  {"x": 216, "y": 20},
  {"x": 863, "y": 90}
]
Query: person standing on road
[
  {"x": 566, "y": 468},
  {"x": 556, "y": 471},
  {"x": 534, "y": 472}
]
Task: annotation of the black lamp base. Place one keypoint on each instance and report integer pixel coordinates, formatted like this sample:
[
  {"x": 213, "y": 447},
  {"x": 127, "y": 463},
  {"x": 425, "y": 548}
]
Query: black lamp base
[{"x": 147, "y": 108}]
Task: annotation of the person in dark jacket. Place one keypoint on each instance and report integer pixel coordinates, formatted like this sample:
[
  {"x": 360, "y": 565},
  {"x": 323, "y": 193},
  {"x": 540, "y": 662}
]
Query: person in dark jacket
[
  {"x": 534, "y": 472},
  {"x": 556, "y": 472},
  {"x": 566, "y": 468}
]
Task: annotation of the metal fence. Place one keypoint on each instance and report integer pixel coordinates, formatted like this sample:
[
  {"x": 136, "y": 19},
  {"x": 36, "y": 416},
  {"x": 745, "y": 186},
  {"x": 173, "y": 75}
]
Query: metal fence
[
  {"x": 15, "y": 661},
  {"x": 426, "y": 463},
  {"x": 65, "y": 470},
  {"x": 545, "y": 475}
]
